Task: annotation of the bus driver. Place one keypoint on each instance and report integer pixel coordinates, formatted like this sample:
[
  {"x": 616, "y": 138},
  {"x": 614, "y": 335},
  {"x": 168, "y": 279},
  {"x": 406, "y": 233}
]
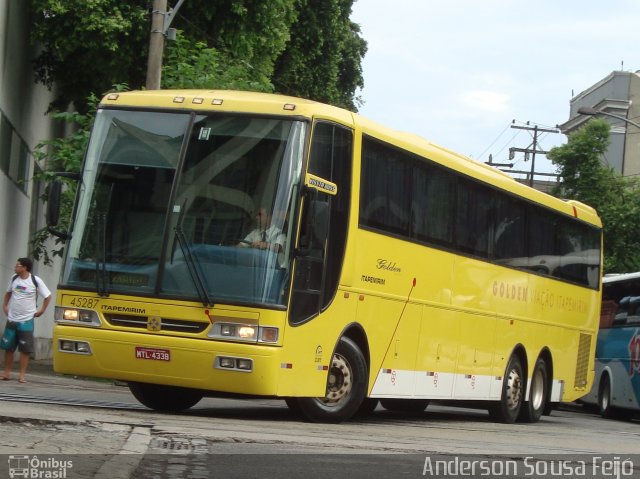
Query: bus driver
[{"x": 265, "y": 235}]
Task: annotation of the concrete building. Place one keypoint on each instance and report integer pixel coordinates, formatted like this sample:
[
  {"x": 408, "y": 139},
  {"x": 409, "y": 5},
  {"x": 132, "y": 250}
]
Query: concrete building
[
  {"x": 23, "y": 124},
  {"x": 617, "y": 94}
]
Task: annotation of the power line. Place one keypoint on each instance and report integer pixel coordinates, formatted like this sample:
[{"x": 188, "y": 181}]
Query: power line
[
  {"x": 534, "y": 150},
  {"x": 493, "y": 142},
  {"x": 530, "y": 152},
  {"x": 508, "y": 142}
]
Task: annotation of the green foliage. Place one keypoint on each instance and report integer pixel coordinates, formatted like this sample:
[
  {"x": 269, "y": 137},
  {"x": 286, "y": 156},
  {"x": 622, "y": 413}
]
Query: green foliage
[
  {"x": 309, "y": 48},
  {"x": 191, "y": 64},
  {"x": 615, "y": 198},
  {"x": 323, "y": 58},
  {"x": 89, "y": 45},
  {"x": 253, "y": 31}
]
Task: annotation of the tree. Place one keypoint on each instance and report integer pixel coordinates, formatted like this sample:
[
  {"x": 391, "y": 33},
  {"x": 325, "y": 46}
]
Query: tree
[
  {"x": 323, "y": 58},
  {"x": 89, "y": 45},
  {"x": 254, "y": 32},
  {"x": 191, "y": 64},
  {"x": 615, "y": 198}
]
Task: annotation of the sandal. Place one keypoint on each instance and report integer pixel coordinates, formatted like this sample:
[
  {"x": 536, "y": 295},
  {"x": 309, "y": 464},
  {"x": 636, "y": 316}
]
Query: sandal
[
  {"x": 5, "y": 378},
  {"x": 22, "y": 381}
]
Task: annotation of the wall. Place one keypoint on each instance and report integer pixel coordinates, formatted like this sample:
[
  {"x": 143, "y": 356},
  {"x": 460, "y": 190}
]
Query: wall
[
  {"x": 615, "y": 94},
  {"x": 23, "y": 106},
  {"x": 632, "y": 145}
]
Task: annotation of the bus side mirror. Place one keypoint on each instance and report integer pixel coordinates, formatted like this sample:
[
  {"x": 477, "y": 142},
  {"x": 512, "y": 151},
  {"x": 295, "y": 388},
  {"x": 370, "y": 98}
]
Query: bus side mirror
[{"x": 53, "y": 204}]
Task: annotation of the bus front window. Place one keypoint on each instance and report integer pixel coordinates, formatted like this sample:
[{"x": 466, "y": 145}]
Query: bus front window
[
  {"x": 163, "y": 212},
  {"x": 230, "y": 213},
  {"x": 130, "y": 166}
]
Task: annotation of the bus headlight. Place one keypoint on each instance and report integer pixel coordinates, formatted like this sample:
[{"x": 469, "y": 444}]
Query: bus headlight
[
  {"x": 244, "y": 332},
  {"x": 83, "y": 317},
  {"x": 247, "y": 332}
]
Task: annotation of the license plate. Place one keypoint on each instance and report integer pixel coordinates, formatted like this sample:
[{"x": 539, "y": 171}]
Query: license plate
[{"x": 153, "y": 353}]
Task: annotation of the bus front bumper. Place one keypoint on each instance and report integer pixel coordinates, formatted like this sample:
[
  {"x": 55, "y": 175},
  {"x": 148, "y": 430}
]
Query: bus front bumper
[{"x": 210, "y": 365}]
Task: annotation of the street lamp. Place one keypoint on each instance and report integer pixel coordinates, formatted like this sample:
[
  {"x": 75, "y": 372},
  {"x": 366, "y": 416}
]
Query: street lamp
[{"x": 587, "y": 110}]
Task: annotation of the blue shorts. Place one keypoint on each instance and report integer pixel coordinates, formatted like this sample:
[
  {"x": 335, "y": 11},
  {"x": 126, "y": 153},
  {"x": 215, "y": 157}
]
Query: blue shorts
[{"x": 18, "y": 336}]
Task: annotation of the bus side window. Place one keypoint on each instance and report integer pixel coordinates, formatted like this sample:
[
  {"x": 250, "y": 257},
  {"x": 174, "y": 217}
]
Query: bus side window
[
  {"x": 622, "y": 312},
  {"x": 633, "y": 315},
  {"x": 607, "y": 313},
  {"x": 317, "y": 274},
  {"x": 474, "y": 218}
]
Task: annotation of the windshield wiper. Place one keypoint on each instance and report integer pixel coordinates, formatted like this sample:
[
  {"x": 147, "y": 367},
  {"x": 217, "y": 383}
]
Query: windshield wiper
[
  {"x": 101, "y": 256},
  {"x": 192, "y": 265},
  {"x": 101, "y": 250}
]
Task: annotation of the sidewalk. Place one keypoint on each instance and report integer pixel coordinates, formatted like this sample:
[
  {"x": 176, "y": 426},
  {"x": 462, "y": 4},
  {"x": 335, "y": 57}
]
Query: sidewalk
[
  {"x": 41, "y": 372},
  {"x": 40, "y": 366}
]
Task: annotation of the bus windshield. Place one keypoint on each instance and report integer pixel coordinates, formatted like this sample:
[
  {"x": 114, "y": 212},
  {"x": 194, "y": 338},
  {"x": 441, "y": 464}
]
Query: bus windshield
[{"x": 187, "y": 206}]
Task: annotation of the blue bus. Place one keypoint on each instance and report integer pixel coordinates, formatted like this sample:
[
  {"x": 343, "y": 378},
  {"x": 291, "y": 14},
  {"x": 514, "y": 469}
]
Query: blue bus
[{"x": 616, "y": 389}]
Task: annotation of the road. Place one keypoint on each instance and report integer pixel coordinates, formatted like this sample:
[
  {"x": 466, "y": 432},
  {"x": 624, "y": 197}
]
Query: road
[{"x": 101, "y": 427}]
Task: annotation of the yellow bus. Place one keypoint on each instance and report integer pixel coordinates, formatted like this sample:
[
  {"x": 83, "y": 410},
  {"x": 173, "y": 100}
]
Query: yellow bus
[{"x": 235, "y": 243}]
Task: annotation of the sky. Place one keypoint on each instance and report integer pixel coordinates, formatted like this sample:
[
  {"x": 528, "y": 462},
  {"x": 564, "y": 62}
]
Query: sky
[{"x": 460, "y": 72}]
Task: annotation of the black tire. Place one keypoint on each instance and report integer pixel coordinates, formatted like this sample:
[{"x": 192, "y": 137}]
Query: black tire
[
  {"x": 548, "y": 409},
  {"x": 533, "y": 409},
  {"x": 367, "y": 407},
  {"x": 412, "y": 406},
  {"x": 346, "y": 387},
  {"x": 165, "y": 398},
  {"x": 604, "y": 398},
  {"x": 292, "y": 404},
  {"x": 513, "y": 389}
]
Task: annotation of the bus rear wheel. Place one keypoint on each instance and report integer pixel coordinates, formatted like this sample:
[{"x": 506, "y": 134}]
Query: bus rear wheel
[
  {"x": 533, "y": 409},
  {"x": 513, "y": 388},
  {"x": 346, "y": 387},
  {"x": 165, "y": 398}
]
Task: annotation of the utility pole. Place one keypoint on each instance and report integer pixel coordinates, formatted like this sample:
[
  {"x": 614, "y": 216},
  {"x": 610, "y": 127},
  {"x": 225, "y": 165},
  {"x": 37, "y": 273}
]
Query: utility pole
[
  {"x": 160, "y": 21},
  {"x": 533, "y": 150},
  {"x": 491, "y": 163},
  {"x": 156, "y": 45}
]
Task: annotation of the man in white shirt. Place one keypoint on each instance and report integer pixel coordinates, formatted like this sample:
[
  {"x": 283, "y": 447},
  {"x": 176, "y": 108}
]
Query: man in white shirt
[{"x": 20, "y": 306}]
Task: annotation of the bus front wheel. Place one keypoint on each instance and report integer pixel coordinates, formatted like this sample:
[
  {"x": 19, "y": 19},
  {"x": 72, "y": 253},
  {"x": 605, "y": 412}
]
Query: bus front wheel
[
  {"x": 513, "y": 388},
  {"x": 346, "y": 387},
  {"x": 604, "y": 397},
  {"x": 165, "y": 398}
]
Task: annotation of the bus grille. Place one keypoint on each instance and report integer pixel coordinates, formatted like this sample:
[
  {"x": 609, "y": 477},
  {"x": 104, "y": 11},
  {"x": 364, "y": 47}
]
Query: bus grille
[
  {"x": 582, "y": 364},
  {"x": 140, "y": 322}
]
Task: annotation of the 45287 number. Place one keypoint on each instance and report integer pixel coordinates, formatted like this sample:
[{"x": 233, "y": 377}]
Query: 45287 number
[{"x": 82, "y": 302}]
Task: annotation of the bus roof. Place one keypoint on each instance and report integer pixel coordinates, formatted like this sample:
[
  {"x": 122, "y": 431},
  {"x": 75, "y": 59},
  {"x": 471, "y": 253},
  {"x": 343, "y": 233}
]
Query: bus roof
[
  {"x": 620, "y": 278},
  {"x": 273, "y": 104}
]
